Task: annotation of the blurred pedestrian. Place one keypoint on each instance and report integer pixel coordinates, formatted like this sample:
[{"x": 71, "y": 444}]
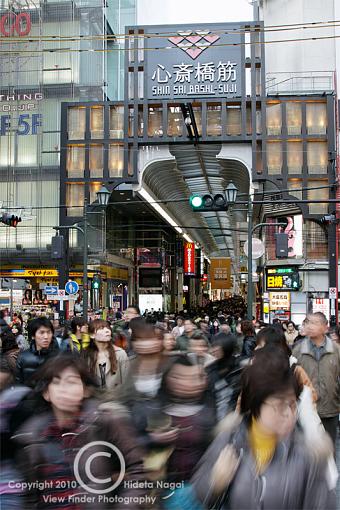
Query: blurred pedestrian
[
  {"x": 249, "y": 341},
  {"x": 291, "y": 333},
  {"x": 182, "y": 342}
]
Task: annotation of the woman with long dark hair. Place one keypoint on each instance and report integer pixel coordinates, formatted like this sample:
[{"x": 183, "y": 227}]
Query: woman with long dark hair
[{"x": 106, "y": 361}]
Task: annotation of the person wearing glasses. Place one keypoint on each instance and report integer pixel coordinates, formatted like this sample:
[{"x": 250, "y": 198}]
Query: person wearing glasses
[{"x": 261, "y": 460}]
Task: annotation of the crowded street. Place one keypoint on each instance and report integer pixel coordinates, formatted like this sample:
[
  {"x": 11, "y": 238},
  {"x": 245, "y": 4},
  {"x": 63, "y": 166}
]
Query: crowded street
[{"x": 169, "y": 255}]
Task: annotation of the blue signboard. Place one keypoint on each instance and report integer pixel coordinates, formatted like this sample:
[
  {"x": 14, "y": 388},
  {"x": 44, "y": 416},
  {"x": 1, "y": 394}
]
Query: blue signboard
[
  {"x": 71, "y": 287},
  {"x": 51, "y": 290}
]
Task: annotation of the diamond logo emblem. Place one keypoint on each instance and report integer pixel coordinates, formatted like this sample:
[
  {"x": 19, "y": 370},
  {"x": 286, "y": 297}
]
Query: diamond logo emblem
[{"x": 194, "y": 42}]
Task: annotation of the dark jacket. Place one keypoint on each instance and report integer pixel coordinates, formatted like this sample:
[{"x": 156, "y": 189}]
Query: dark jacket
[
  {"x": 30, "y": 360},
  {"x": 292, "y": 481},
  {"x": 53, "y": 454},
  {"x": 249, "y": 344}
]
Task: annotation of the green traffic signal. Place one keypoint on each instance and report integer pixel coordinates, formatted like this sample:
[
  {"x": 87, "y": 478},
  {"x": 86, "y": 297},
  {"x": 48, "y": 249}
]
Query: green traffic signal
[{"x": 196, "y": 201}]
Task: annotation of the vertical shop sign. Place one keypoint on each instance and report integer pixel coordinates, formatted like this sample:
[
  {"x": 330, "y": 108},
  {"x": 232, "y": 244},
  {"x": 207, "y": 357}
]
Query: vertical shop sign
[
  {"x": 220, "y": 273},
  {"x": 189, "y": 259}
]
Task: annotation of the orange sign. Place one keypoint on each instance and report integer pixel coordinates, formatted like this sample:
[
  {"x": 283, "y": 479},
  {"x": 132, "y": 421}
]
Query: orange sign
[{"x": 220, "y": 273}]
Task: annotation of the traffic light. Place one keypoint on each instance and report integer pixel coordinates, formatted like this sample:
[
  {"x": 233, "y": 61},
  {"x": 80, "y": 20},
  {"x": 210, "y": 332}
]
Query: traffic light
[
  {"x": 281, "y": 246},
  {"x": 209, "y": 202},
  {"x": 10, "y": 219},
  {"x": 96, "y": 282},
  {"x": 296, "y": 283}
]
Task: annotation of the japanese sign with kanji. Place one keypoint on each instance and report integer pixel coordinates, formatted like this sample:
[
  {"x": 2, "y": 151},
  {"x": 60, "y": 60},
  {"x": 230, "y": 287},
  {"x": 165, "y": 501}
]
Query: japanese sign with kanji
[
  {"x": 193, "y": 61},
  {"x": 220, "y": 273}
]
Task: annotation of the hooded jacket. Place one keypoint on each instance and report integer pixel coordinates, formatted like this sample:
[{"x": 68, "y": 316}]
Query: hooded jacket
[{"x": 30, "y": 360}]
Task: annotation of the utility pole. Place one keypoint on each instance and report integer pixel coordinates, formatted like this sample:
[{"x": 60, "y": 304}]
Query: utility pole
[
  {"x": 85, "y": 279},
  {"x": 250, "y": 260}
]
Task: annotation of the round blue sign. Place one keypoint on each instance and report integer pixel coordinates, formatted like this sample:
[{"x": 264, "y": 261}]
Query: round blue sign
[{"x": 71, "y": 287}]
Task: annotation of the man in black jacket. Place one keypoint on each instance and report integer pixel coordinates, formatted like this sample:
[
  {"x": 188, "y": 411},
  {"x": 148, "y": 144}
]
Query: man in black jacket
[
  {"x": 42, "y": 346},
  {"x": 249, "y": 341}
]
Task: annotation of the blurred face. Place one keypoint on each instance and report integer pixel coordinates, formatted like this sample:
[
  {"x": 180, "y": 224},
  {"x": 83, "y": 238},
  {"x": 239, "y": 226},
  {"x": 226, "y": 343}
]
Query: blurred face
[
  {"x": 66, "y": 391},
  {"x": 130, "y": 313},
  {"x": 14, "y": 330},
  {"x": 278, "y": 414},
  {"x": 238, "y": 328},
  {"x": 147, "y": 346},
  {"x": 206, "y": 318},
  {"x": 198, "y": 346},
  {"x": 84, "y": 328},
  {"x": 186, "y": 382},
  {"x": 332, "y": 335},
  {"x": 169, "y": 342},
  {"x": 179, "y": 322},
  {"x": 217, "y": 351},
  {"x": 315, "y": 328},
  {"x": 188, "y": 327},
  {"x": 290, "y": 328},
  {"x": 225, "y": 328},
  {"x": 103, "y": 335},
  {"x": 43, "y": 338}
]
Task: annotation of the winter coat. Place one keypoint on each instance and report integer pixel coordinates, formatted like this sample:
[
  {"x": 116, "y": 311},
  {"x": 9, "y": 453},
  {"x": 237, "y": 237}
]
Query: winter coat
[
  {"x": 324, "y": 374},
  {"x": 249, "y": 344},
  {"x": 224, "y": 382},
  {"x": 50, "y": 454},
  {"x": 30, "y": 360},
  {"x": 291, "y": 481}
]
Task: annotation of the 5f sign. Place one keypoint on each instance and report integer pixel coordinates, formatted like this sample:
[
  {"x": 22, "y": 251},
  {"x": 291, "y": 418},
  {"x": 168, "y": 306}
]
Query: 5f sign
[
  {"x": 26, "y": 124},
  {"x": 12, "y": 24}
]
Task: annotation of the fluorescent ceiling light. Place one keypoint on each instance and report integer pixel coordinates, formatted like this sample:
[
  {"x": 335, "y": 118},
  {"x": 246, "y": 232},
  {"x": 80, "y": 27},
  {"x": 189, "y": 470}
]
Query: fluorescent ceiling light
[
  {"x": 159, "y": 209},
  {"x": 187, "y": 238}
]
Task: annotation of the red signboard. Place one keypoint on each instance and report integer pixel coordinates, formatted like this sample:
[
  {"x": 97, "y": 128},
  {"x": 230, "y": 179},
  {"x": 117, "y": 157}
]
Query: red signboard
[
  {"x": 189, "y": 259},
  {"x": 15, "y": 24}
]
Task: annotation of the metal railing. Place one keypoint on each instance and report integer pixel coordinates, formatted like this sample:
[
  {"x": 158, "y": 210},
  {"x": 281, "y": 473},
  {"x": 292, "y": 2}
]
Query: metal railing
[{"x": 300, "y": 81}]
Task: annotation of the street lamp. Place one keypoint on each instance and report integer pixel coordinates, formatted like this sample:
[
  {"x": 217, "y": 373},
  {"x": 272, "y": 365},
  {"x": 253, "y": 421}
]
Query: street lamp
[
  {"x": 103, "y": 196},
  {"x": 231, "y": 193}
]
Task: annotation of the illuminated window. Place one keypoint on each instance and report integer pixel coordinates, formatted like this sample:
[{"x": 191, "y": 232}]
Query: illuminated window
[
  {"x": 97, "y": 122},
  {"x": 293, "y": 118},
  {"x": 294, "y": 157},
  {"x": 316, "y": 241},
  {"x": 175, "y": 121},
  {"x": 318, "y": 194},
  {"x": 116, "y": 160},
  {"x": 295, "y": 184},
  {"x": 76, "y": 123},
  {"x": 274, "y": 157},
  {"x": 316, "y": 118},
  {"x": 117, "y": 122},
  {"x": 233, "y": 120},
  {"x": 74, "y": 199},
  {"x": 317, "y": 157},
  {"x": 94, "y": 188},
  {"x": 155, "y": 123},
  {"x": 274, "y": 119},
  {"x": 214, "y": 121},
  {"x": 75, "y": 160},
  {"x": 96, "y": 160}
]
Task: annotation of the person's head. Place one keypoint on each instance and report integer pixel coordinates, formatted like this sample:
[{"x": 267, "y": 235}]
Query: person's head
[
  {"x": 334, "y": 334},
  {"x": 225, "y": 328},
  {"x": 270, "y": 335},
  {"x": 183, "y": 380},
  {"x": 79, "y": 325},
  {"x": 223, "y": 346},
  {"x": 8, "y": 342},
  {"x": 316, "y": 325},
  {"x": 131, "y": 312},
  {"x": 63, "y": 381},
  {"x": 169, "y": 342},
  {"x": 100, "y": 331},
  {"x": 41, "y": 331},
  {"x": 270, "y": 391},
  {"x": 16, "y": 328},
  {"x": 189, "y": 326},
  {"x": 206, "y": 318},
  {"x": 198, "y": 343},
  {"x": 6, "y": 374},
  {"x": 291, "y": 327},
  {"x": 257, "y": 325},
  {"x": 247, "y": 328},
  {"x": 179, "y": 321},
  {"x": 146, "y": 339},
  {"x": 239, "y": 328}
]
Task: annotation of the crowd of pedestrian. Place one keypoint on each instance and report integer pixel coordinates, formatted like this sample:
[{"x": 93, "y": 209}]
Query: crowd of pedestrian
[{"x": 196, "y": 411}]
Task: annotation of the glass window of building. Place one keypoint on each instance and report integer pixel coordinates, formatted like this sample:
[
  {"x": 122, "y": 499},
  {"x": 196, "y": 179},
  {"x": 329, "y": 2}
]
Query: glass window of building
[
  {"x": 117, "y": 122},
  {"x": 155, "y": 121},
  {"x": 116, "y": 160},
  {"x": 175, "y": 121},
  {"x": 274, "y": 119},
  {"x": 97, "y": 122},
  {"x": 258, "y": 122},
  {"x": 140, "y": 121},
  {"x": 316, "y": 118},
  {"x": 317, "y": 157},
  {"x": 96, "y": 161},
  {"x": 131, "y": 121},
  {"x": 27, "y": 150},
  {"x": 316, "y": 241},
  {"x": 198, "y": 118},
  {"x": 234, "y": 120},
  {"x": 295, "y": 186},
  {"x": 214, "y": 120},
  {"x": 294, "y": 157},
  {"x": 94, "y": 188},
  {"x": 76, "y": 123},
  {"x": 74, "y": 199},
  {"x": 317, "y": 194},
  {"x": 75, "y": 161},
  {"x": 248, "y": 126},
  {"x": 293, "y": 117},
  {"x": 274, "y": 158}
]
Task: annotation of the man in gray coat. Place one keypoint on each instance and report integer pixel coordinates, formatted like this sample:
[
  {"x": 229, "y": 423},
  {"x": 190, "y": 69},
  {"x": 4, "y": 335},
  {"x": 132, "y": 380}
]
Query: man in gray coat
[{"x": 320, "y": 358}]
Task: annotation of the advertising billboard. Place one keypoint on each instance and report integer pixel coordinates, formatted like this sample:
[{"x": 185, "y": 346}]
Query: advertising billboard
[
  {"x": 220, "y": 273},
  {"x": 189, "y": 259}
]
